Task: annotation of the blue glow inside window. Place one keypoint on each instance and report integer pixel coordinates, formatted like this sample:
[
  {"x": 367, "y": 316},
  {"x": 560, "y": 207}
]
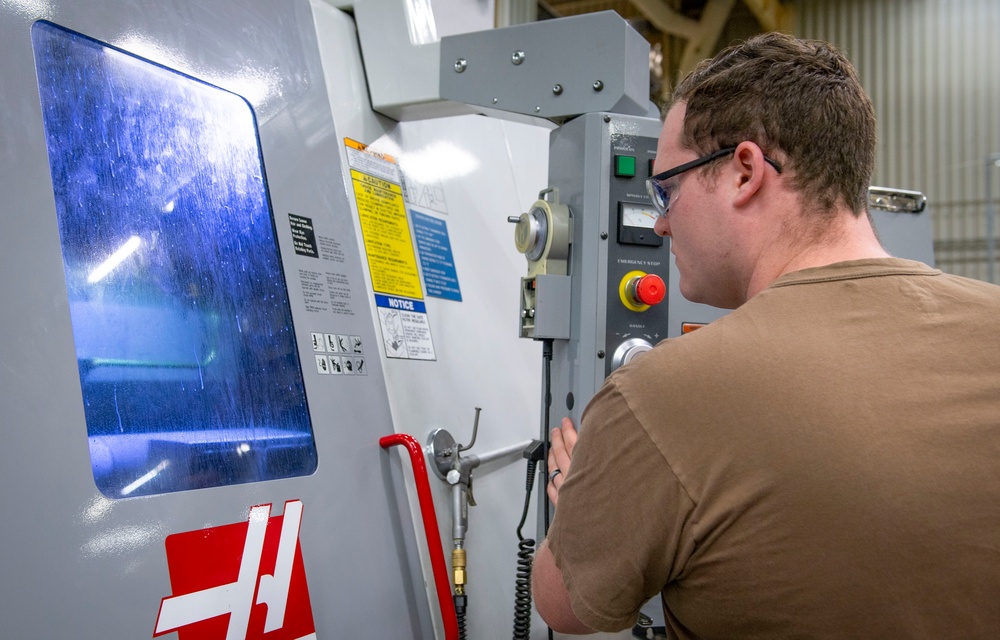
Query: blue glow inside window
[{"x": 183, "y": 331}]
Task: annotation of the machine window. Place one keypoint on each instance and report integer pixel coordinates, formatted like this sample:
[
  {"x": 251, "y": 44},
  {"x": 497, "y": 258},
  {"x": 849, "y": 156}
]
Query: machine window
[{"x": 188, "y": 364}]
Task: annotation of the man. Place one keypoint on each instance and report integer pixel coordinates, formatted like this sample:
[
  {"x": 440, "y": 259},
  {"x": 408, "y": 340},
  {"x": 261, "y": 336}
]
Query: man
[{"x": 824, "y": 461}]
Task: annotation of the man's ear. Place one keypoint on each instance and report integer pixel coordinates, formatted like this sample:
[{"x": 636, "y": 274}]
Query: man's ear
[{"x": 749, "y": 165}]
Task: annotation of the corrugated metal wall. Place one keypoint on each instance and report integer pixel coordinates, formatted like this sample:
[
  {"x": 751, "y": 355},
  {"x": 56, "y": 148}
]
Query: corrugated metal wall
[{"x": 932, "y": 68}]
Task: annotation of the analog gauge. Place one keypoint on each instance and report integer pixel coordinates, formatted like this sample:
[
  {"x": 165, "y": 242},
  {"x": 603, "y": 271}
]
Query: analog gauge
[{"x": 638, "y": 215}]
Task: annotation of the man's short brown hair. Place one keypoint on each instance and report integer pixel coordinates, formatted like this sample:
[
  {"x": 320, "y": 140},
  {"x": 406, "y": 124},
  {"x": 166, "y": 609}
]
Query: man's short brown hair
[{"x": 801, "y": 101}]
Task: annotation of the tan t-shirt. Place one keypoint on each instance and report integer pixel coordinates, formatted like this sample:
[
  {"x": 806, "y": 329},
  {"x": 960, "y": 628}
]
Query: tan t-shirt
[{"x": 822, "y": 462}]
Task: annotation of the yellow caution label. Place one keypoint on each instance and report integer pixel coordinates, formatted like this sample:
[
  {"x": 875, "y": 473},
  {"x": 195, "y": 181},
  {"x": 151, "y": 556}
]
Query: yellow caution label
[{"x": 386, "y": 234}]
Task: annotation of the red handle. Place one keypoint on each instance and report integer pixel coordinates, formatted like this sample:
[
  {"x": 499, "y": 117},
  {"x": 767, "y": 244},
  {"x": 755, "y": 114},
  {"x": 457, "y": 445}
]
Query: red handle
[{"x": 430, "y": 529}]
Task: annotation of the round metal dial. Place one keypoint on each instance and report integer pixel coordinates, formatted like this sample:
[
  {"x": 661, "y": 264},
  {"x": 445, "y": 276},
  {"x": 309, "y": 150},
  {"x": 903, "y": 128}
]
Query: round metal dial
[
  {"x": 531, "y": 233},
  {"x": 629, "y": 350}
]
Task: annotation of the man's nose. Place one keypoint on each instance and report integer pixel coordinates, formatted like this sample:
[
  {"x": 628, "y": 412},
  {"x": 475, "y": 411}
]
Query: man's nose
[{"x": 661, "y": 227}]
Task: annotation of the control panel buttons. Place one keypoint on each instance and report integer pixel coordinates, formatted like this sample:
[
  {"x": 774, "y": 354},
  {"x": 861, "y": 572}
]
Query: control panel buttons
[{"x": 625, "y": 166}]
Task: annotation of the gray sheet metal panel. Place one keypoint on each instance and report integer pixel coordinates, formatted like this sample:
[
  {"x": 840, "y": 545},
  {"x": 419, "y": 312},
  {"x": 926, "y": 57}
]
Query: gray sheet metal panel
[
  {"x": 79, "y": 565},
  {"x": 578, "y": 166},
  {"x": 560, "y": 62},
  {"x": 906, "y": 235}
]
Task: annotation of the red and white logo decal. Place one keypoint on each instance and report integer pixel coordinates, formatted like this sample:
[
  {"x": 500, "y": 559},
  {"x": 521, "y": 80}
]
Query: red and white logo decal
[{"x": 239, "y": 581}]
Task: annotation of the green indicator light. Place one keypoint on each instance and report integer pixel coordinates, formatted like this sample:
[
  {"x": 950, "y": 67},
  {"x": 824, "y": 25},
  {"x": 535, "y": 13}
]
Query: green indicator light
[{"x": 625, "y": 166}]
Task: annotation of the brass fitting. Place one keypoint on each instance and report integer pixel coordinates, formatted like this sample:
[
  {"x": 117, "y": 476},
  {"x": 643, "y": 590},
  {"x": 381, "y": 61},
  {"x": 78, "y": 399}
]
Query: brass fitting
[{"x": 458, "y": 569}]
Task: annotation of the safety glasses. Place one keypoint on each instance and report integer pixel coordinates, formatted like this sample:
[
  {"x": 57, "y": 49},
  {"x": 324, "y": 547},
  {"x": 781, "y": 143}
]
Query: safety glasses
[{"x": 663, "y": 187}]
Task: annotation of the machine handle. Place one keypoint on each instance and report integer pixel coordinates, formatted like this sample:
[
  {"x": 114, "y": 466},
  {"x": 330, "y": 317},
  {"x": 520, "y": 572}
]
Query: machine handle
[{"x": 431, "y": 531}]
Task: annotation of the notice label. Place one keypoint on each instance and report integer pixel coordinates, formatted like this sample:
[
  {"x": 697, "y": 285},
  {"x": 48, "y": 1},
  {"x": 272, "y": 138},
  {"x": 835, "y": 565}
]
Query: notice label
[
  {"x": 436, "y": 259},
  {"x": 406, "y": 332},
  {"x": 303, "y": 235}
]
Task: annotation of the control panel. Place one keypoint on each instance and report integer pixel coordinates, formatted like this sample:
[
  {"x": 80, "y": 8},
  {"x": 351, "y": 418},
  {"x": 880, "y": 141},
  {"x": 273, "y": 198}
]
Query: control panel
[
  {"x": 637, "y": 259},
  {"x": 598, "y": 277}
]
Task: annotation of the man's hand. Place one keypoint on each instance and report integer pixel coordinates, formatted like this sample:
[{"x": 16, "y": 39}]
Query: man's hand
[
  {"x": 560, "y": 455},
  {"x": 552, "y": 600}
]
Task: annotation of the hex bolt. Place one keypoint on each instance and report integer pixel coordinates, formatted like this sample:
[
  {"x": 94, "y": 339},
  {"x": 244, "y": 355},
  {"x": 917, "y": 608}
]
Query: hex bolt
[
  {"x": 598, "y": 85},
  {"x": 460, "y": 65},
  {"x": 517, "y": 57},
  {"x": 557, "y": 89}
]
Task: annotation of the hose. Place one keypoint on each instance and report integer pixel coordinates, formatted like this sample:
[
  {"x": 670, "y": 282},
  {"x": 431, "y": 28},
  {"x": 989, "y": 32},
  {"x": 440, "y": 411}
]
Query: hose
[{"x": 461, "y": 602}]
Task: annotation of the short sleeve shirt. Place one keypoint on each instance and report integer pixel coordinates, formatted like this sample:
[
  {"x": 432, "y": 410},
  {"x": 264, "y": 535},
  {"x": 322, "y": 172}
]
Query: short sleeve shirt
[{"x": 822, "y": 462}]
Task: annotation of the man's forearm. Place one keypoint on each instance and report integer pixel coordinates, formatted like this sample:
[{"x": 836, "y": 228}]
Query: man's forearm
[{"x": 551, "y": 597}]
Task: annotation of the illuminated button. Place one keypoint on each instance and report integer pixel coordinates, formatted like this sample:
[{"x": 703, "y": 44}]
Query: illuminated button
[
  {"x": 649, "y": 289},
  {"x": 624, "y": 166},
  {"x": 688, "y": 327}
]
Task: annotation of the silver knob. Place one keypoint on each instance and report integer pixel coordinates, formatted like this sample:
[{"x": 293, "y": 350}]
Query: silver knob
[{"x": 629, "y": 351}]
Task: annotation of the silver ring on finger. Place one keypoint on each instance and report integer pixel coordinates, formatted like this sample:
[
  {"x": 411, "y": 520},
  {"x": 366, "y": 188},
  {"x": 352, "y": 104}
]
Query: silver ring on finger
[{"x": 552, "y": 476}]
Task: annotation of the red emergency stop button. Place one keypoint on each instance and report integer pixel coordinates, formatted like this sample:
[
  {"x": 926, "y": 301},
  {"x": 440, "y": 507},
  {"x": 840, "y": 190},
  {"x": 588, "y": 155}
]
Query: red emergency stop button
[
  {"x": 650, "y": 289},
  {"x": 640, "y": 290}
]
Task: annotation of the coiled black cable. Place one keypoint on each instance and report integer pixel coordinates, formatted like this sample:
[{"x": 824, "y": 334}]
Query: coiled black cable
[
  {"x": 522, "y": 589},
  {"x": 536, "y": 452},
  {"x": 525, "y": 556}
]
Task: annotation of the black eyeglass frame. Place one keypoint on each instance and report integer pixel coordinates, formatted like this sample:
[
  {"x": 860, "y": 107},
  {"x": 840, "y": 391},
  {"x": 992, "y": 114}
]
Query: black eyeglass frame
[{"x": 653, "y": 182}]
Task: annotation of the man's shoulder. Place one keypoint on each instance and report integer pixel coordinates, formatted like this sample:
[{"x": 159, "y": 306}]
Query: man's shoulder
[{"x": 856, "y": 270}]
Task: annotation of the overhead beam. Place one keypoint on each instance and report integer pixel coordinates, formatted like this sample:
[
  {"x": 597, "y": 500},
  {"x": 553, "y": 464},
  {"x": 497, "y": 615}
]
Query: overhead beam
[
  {"x": 771, "y": 14},
  {"x": 701, "y": 44},
  {"x": 666, "y": 19}
]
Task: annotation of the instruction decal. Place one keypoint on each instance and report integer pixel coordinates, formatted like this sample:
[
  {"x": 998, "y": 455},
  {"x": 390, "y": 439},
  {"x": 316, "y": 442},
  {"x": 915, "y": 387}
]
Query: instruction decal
[
  {"x": 385, "y": 229},
  {"x": 339, "y": 354},
  {"x": 303, "y": 235},
  {"x": 239, "y": 581},
  {"x": 326, "y": 291},
  {"x": 436, "y": 260},
  {"x": 406, "y": 333}
]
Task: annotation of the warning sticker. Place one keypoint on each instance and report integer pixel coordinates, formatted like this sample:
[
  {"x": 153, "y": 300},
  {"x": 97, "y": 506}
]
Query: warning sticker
[
  {"x": 366, "y": 160},
  {"x": 386, "y": 234},
  {"x": 339, "y": 354},
  {"x": 406, "y": 332},
  {"x": 303, "y": 235}
]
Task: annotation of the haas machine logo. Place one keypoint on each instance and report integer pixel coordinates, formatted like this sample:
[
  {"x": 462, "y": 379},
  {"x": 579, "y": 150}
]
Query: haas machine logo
[{"x": 239, "y": 581}]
